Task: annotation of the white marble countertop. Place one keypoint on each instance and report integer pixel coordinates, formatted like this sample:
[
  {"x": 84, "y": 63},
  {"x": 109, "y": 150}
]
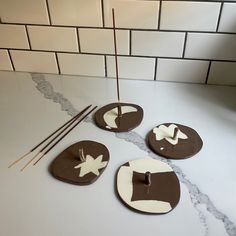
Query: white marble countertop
[{"x": 33, "y": 203}]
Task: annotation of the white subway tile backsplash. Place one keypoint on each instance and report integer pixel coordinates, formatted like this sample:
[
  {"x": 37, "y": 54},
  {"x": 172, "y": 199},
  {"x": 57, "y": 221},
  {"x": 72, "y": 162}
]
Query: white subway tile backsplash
[
  {"x": 169, "y": 40},
  {"x": 190, "y": 71},
  {"x": 101, "y": 41},
  {"x": 53, "y": 38},
  {"x": 211, "y": 46},
  {"x": 228, "y": 18},
  {"x": 151, "y": 43},
  {"x": 13, "y": 36},
  {"x": 24, "y": 11},
  {"x": 132, "y": 14},
  {"x": 192, "y": 16},
  {"x": 76, "y": 12},
  {"x": 223, "y": 73},
  {"x": 132, "y": 67},
  {"x": 5, "y": 63},
  {"x": 76, "y": 64},
  {"x": 34, "y": 61}
]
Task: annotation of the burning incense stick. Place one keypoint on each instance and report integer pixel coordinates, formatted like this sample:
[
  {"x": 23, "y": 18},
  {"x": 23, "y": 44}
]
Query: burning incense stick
[{"x": 116, "y": 63}]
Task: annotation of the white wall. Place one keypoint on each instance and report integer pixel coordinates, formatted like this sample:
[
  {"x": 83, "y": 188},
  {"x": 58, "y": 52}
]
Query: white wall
[{"x": 184, "y": 41}]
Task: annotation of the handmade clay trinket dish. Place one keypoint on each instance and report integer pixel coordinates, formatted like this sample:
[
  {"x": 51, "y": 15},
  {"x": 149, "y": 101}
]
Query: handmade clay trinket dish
[
  {"x": 82, "y": 163},
  {"x": 148, "y": 186},
  {"x": 108, "y": 117},
  {"x": 174, "y": 141}
]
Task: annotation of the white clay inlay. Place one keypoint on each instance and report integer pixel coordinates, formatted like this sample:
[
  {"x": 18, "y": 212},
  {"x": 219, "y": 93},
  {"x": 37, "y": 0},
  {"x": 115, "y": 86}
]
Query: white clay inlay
[
  {"x": 91, "y": 165},
  {"x": 162, "y": 148},
  {"x": 125, "y": 184},
  {"x": 110, "y": 116},
  {"x": 167, "y": 133}
]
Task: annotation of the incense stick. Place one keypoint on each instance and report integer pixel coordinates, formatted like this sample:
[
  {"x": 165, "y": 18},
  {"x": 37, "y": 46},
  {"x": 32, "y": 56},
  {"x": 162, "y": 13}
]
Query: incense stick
[
  {"x": 116, "y": 63},
  {"x": 45, "y": 153},
  {"x": 49, "y": 136},
  {"x": 57, "y": 140},
  {"x": 41, "y": 150}
]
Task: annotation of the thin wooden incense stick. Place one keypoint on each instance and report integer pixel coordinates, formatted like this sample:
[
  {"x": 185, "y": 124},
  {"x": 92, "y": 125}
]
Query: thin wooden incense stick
[
  {"x": 116, "y": 63},
  {"x": 41, "y": 150},
  {"x": 49, "y": 136},
  {"x": 45, "y": 153},
  {"x": 19, "y": 159},
  {"x": 65, "y": 128}
]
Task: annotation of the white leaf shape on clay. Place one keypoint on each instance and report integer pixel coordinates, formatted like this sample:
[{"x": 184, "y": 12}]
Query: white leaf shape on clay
[
  {"x": 91, "y": 165},
  {"x": 110, "y": 116},
  {"x": 167, "y": 133}
]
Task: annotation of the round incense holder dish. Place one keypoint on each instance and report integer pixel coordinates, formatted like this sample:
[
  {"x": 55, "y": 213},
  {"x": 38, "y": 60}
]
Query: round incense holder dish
[
  {"x": 174, "y": 141},
  {"x": 81, "y": 163},
  {"x": 119, "y": 117},
  {"x": 148, "y": 186}
]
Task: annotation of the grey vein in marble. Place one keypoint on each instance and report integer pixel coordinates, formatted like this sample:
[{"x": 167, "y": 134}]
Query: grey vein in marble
[
  {"x": 197, "y": 197},
  {"x": 202, "y": 219},
  {"x": 47, "y": 90}
]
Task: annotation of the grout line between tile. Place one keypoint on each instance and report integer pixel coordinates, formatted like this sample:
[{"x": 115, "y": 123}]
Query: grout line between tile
[
  {"x": 103, "y": 14},
  {"x": 48, "y": 11},
  {"x": 185, "y": 43},
  {"x": 133, "y": 29},
  {"x": 120, "y": 55},
  {"x": 159, "y": 16},
  {"x": 130, "y": 42},
  {"x": 12, "y": 64},
  {"x": 58, "y": 65},
  {"x": 28, "y": 38},
  {"x": 105, "y": 65},
  {"x": 208, "y": 72},
  {"x": 219, "y": 17},
  {"x": 78, "y": 39},
  {"x": 155, "y": 69}
]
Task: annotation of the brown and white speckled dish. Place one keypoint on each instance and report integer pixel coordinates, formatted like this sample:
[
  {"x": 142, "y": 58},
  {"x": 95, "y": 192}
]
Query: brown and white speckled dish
[
  {"x": 174, "y": 141},
  {"x": 81, "y": 163}
]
